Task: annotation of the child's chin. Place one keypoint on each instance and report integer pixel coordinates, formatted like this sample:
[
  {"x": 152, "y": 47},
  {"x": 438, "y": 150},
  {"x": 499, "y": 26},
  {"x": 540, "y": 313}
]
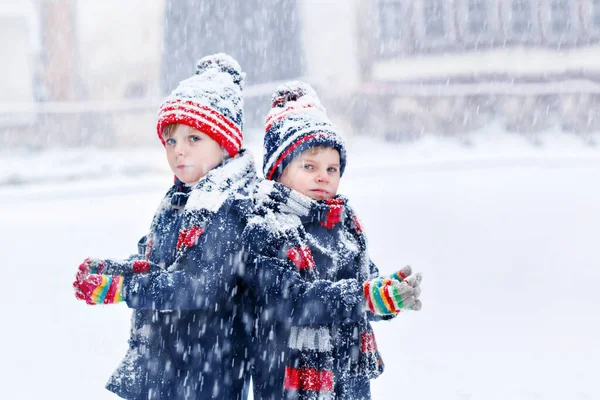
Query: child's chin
[
  {"x": 189, "y": 179},
  {"x": 317, "y": 196}
]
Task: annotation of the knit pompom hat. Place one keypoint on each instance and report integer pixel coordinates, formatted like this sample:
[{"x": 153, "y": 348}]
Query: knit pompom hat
[
  {"x": 297, "y": 122},
  {"x": 210, "y": 101}
]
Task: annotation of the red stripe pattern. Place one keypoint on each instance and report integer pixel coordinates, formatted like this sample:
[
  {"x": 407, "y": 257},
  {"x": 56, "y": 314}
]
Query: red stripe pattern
[
  {"x": 301, "y": 257},
  {"x": 140, "y": 266},
  {"x": 203, "y": 118},
  {"x": 189, "y": 237},
  {"x": 368, "y": 342},
  {"x": 284, "y": 113},
  {"x": 308, "y": 379},
  {"x": 334, "y": 216},
  {"x": 385, "y": 290},
  {"x": 367, "y": 294},
  {"x": 288, "y": 151},
  {"x": 357, "y": 223},
  {"x": 112, "y": 290}
]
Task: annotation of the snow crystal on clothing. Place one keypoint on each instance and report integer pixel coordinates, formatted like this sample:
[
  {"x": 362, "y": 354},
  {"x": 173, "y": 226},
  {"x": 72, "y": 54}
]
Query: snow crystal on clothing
[
  {"x": 214, "y": 188},
  {"x": 308, "y": 338},
  {"x": 306, "y": 106},
  {"x": 224, "y": 63},
  {"x": 207, "y": 200},
  {"x": 213, "y": 84},
  {"x": 277, "y": 225}
]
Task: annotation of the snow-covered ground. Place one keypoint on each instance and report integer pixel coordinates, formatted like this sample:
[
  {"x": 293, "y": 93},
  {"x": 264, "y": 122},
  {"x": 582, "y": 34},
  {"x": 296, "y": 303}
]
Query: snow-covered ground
[{"x": 505, "y": 233}]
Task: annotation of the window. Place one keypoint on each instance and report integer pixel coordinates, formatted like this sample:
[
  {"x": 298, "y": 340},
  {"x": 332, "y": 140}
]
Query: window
[
  {"x": 390, "y": 19},
  {"x": 522, "y": 15},
  {"x": 477, "y": 16},
  {"x": 560, "y": 16},
  {"x": 596, "y": 14},
  {"x": 434, "y": 18}
]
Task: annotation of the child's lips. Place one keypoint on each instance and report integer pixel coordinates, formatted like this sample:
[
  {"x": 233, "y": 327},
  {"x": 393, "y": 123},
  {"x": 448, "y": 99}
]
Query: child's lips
[
  {"x": 181, "y": 166},
  {"x": 320, "y": 191}
]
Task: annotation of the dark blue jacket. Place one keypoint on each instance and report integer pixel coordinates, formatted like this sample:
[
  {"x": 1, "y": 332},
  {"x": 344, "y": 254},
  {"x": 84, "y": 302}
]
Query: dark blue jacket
[
  {"x": 283, "y": 298},
  {"x": 188, "y": 339}
]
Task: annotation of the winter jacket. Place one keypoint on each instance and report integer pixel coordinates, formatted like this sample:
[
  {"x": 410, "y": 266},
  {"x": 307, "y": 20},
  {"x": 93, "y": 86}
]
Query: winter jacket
[
  {"x": 307, "y": 261},
  {"x": 188, "y": 339}
]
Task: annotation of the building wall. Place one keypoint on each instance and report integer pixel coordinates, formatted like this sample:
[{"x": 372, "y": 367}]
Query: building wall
[
  {"x": 330, "y": 41},
  {"x": 19, "y": 49},
  {"x": 119, "y": 47}
]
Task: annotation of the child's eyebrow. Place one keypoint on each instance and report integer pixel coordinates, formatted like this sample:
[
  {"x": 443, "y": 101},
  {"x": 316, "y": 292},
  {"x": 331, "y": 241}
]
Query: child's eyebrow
[{"x": 312, "y": 160}]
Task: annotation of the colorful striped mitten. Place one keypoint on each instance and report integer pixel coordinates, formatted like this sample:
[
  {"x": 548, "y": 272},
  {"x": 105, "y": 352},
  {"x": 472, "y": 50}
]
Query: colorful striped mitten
[
  {"x": 108, "y": 267},
  {"x": 402, "y": 273},
  {"x": 385, "y": 296},
  {"x": 100, "y": 289},
  {"x": 405, "y": 275}
]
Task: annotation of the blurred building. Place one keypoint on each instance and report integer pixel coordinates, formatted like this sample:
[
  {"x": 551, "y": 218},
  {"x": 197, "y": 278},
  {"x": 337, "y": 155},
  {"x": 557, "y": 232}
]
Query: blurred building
[
  {"x": 449, "y": 67},
  {"x": 20, "y": 47},
  {"x": 81, "y": 70}
]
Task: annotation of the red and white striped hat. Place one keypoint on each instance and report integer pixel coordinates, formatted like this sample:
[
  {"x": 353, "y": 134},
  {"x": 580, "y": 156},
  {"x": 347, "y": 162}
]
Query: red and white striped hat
[{"x": 210, "y": 101}]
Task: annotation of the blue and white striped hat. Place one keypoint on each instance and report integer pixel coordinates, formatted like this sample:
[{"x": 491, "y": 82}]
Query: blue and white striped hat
[{"x": 297, "y": 122}]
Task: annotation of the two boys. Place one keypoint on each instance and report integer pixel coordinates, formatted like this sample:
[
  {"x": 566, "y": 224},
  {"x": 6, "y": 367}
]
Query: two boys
[{"x": 244, "y": 277}]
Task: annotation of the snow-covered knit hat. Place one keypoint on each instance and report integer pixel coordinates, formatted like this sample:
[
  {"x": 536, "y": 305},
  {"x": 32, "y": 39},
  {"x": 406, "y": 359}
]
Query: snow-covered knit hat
[
  {"x": 297, "y": 121},
  {"x": 210, "y": 101}
]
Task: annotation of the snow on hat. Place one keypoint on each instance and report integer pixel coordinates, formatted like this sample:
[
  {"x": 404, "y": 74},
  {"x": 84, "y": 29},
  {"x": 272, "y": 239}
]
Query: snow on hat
[
  {"x": 297, "y": 122},
  {"x": 210, "y": 101}
]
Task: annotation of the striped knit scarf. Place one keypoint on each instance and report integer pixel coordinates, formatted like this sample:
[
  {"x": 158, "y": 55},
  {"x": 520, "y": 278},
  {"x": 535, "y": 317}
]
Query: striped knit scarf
[
  {"x": 235, "y": 178},
  {"x": 316, "y": 352}
]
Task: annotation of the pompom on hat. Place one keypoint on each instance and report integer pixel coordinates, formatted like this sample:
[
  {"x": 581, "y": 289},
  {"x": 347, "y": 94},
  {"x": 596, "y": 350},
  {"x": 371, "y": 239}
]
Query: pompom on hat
[
  {"x": 210, "y": 101},
  {"x": 297, "y": 122}
]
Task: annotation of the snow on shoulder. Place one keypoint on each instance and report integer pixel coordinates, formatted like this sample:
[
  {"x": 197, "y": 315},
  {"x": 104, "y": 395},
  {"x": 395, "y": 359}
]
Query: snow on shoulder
[{"x": 226, "y": 181}]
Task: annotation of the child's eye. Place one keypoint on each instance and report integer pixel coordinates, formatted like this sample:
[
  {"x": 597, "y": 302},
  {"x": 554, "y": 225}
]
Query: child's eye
[
  {"x": 332, "y": 169},
  {"x": 195, "y": 138},
  {"x": 308, "y": 166},
  {"x": 170, "y": 141}
]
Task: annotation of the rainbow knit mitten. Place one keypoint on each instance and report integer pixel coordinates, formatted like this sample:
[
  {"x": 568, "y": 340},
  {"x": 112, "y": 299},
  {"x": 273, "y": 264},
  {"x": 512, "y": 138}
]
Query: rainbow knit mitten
[
  {"x": 100, "y": 289},
  {"x": 405, "y": 274},
  {"x": 112, "y": 271},
  {"x": 402, "y": 273},
  {"x": 385, "y": 296}
]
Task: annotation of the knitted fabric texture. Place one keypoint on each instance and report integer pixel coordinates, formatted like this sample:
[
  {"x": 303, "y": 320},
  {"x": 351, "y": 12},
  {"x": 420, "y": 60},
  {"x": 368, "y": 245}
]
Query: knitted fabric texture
[
  {"x": 309, "y": 373},
  {"x": 210, "y": 101},
  {"x": 204, "y": 200},
  {"x": 297, "y": 122}
]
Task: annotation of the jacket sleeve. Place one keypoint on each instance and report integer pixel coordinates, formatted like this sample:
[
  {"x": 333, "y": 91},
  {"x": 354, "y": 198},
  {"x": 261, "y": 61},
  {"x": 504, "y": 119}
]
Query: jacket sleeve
[
  {"x": 206, "y": 277},
  {"x": 290, "y": 298},
  {"x": 125, "y": 266}
]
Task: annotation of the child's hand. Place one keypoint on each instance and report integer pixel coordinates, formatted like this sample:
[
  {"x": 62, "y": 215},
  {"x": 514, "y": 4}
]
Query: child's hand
[
  {"x": 112, "y": 267},
  {"x": 99, "y": 289},
  {"x": 405, "y": 273},
  {"x": 87, "y": 267},
  {"x": 402, "y": 273},
  {"x": 385, "y": 296}
]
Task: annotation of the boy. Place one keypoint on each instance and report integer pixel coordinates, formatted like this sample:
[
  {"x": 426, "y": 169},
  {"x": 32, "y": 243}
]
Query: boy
[
  {"x": 188, "y": 340},
  {"x": 315, "y": 286}
]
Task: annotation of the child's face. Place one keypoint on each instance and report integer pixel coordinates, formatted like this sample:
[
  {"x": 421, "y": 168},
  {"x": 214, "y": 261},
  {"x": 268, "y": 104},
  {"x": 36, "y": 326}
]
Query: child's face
[
  {"x": 314, "y": 173},
  {"x": 191, "y": 153}
]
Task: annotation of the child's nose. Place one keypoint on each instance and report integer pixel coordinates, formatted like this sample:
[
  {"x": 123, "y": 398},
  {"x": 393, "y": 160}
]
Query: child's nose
[
  {"x": 322, "y": 176},
  {"x": 180, "y": 149}
]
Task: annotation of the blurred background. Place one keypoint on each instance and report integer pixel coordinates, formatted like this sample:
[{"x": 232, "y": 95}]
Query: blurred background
[
  {"x": 93, "y": 73},
  {"x": 472, "y": 129}
]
